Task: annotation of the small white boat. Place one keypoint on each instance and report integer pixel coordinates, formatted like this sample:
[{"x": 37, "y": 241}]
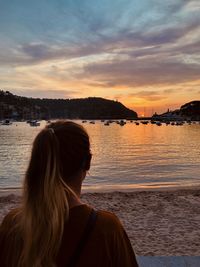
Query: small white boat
[
  {"x": 6, "y": 122},
  {"x": 34, "y": 123}
]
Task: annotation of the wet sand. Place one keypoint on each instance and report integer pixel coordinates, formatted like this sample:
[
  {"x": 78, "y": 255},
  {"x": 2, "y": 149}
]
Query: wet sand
[{"x": 158, "y": 222}]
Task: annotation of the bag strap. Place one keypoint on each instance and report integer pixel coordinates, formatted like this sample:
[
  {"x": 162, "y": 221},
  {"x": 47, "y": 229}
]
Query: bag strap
[{"x": 88, "y": 229}]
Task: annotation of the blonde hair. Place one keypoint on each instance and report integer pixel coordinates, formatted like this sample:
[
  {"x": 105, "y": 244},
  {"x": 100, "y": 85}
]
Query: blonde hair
[{"x": 59, "y": 151}]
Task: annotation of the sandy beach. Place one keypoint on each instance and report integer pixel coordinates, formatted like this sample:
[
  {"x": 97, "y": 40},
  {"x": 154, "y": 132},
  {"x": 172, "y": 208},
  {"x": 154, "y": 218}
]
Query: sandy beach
[{"x": 158, "y": 222}]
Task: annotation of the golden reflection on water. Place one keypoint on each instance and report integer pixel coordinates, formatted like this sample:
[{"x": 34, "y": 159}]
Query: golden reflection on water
[
  {"x": 123, "y": 157},
  {"x": 146, "y": 154}
]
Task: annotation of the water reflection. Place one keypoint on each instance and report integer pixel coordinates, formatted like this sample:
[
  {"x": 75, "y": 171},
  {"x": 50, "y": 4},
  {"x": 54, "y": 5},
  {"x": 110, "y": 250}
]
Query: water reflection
[{"x": 128, "y": 156}]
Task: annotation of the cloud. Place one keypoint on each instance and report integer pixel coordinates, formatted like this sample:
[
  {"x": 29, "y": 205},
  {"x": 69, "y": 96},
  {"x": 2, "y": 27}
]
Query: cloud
[
  {"x": 118, "y": 41},
  {"x": 169, "y": 91},
  {"x": 149, "y": 95},
  {"x": 140, "y": 72},
  {"x": 146, "y": 95},
  {"x": 37, "y": 51},
  {"x": 58, "y": 94}
]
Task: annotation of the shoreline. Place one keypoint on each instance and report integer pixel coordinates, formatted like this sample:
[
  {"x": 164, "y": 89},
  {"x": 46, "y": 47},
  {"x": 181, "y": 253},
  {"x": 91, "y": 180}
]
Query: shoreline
[
  {"x": 158, "y": 221},
  {"x": 112, "y": 189}
]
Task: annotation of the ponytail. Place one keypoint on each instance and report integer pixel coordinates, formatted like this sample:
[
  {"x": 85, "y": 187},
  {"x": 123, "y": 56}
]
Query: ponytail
[{"x": 45, "y": 205}]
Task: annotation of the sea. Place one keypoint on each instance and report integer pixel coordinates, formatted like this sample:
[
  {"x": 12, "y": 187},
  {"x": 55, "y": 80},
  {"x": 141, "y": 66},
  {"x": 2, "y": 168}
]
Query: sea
[{"x": 124, "y": 157}]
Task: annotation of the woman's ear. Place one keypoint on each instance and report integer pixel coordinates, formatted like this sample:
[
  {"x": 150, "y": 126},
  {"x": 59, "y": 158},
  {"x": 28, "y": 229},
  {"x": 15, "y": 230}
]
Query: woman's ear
[{"x": 87, "y": 162}]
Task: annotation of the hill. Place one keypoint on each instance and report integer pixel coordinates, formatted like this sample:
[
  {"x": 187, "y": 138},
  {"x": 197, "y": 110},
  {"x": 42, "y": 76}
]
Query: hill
[
  {"x": 188, "y": 111},
  {"x": 191, "y": 110},
  {"x": 18, "y": 107}
]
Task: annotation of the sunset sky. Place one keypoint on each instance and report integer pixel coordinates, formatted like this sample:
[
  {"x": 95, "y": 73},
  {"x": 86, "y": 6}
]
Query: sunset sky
[{"x": 143, "y": 53}]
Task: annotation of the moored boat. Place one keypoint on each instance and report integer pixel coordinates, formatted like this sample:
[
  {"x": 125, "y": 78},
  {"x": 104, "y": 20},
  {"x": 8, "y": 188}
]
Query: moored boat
[
  {"x": 158, "y": 123},
  {"x": 144, "y": 122},
  {"x": 122, "y": 123},
  {"x": 6, "y": 122},
  {"x": 34, "y": 123}
]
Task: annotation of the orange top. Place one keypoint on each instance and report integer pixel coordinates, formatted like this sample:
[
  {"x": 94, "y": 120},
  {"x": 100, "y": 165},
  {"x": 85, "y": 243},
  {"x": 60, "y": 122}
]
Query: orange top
[{"x": 107, "y": 246}]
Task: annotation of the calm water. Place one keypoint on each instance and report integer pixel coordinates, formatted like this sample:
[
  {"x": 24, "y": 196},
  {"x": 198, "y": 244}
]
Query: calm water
[{"x": 123, "y": 157}]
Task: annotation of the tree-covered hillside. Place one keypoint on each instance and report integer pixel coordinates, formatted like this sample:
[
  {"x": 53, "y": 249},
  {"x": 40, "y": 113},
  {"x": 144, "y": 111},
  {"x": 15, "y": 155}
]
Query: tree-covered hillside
[
  {"x": 191, "y": 109},
  {"x": 12, "y": 106}
]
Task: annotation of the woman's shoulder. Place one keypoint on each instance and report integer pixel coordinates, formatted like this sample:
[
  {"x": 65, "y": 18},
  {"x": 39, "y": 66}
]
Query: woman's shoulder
[
  {"x": 106, "y": 221},
  {"x": 108, "y": 216},
  {"x": 109, "y": 220},
  {"x": 10, "y": 239},
  {"x": 9, "y": 220},
  {"x": 115, "y": 235}
]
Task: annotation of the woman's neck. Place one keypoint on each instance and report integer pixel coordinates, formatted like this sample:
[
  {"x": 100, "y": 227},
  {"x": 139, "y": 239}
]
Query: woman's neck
[
  {"x": 74, "y": 200},
  {"x": 75, "y": 185}
]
